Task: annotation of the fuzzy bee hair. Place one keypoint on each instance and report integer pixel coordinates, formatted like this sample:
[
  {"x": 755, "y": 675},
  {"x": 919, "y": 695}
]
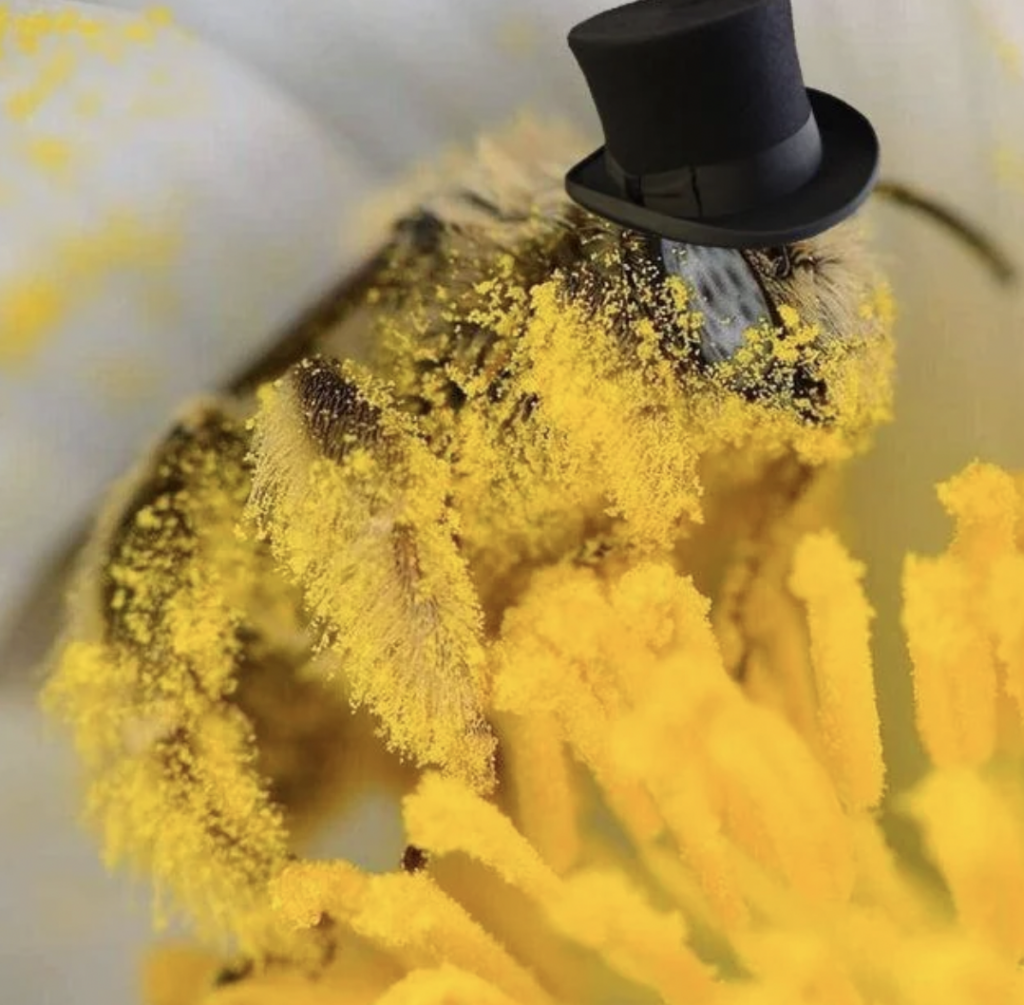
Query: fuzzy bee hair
[{"x": 510, "y": 383}]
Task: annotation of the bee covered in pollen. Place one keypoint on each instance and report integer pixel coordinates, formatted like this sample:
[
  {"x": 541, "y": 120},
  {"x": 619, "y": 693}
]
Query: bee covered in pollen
[{"x": 668, "y": 362}]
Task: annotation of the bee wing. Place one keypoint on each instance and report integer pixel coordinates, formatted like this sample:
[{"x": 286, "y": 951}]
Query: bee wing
[
  {"x": 38, "y": 620},
  {"x": 355, "y": 507}
]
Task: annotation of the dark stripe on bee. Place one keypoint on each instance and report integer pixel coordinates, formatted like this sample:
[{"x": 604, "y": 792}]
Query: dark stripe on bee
[
  {"x": 337, "y": 416},
  {"x": 174, "y": 469},
  {"x": 423, "y": 230}
]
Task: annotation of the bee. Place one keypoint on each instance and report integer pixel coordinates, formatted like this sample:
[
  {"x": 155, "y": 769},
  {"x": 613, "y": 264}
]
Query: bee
[{"x": 510, "y": 383}]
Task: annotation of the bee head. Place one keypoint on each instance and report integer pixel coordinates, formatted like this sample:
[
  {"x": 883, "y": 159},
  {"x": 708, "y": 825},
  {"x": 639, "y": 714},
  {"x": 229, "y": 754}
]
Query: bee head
[
  {"x": 799, "y": 329},
  {"x": 772, "y": 323}
]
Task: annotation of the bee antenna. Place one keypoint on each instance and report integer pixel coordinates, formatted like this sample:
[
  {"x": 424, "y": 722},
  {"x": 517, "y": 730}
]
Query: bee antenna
[{"x": 995, "y": 259}]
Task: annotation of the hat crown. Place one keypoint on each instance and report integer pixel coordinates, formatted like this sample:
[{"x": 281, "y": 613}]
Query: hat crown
[{"x": 681, "y": 83}]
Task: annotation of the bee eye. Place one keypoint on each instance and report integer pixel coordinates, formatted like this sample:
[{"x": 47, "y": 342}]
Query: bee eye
[{"x": 725, "y": 291}]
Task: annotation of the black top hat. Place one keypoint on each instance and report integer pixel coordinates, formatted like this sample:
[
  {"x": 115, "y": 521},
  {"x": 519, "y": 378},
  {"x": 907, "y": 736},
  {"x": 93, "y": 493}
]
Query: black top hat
[{"x": 711, "y": 137}]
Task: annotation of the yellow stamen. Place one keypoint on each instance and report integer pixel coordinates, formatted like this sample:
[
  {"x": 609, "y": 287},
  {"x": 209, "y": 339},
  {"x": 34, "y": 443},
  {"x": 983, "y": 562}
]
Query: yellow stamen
[{"x": 828, "y": 581}]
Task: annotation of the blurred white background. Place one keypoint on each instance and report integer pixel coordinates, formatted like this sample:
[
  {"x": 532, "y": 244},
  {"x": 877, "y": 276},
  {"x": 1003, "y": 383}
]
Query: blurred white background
[{"x": 233, "y": 161}]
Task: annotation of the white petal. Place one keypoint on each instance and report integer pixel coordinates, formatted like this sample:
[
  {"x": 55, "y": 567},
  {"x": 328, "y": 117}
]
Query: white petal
[
  {"x": 398, "y": 78},
  {"x": 198, "y": 212}
]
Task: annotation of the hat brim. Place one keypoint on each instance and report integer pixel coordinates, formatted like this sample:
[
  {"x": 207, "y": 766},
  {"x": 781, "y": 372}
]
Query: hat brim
[{"x": 848, "y": 172}]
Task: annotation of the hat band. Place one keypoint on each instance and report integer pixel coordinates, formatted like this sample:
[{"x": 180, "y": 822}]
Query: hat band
[{"x": 713, "y": 190}]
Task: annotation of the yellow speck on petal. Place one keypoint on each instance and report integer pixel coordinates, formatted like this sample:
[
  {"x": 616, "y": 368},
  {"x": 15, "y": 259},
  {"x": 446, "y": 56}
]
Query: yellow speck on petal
[
  {"x": 53, "y": 76},
  {"x": 51, "y": 154},
  {"x": 147, "y": 28},
  {"x": 29, "y": 312},
  {"x": 33, "y": 306},
  {"x": 161, "y": 16},
  {"x": 55, "y": 44}
]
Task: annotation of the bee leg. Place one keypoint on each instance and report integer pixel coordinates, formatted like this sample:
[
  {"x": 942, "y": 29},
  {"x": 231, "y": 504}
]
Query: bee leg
[{"x": 355, "y": 507}]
